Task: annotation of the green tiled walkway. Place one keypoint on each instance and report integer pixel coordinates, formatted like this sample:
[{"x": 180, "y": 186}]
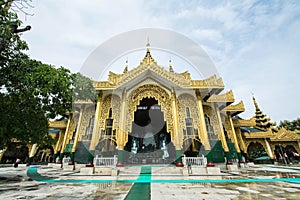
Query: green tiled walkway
[{"x": 141, "y": 191}]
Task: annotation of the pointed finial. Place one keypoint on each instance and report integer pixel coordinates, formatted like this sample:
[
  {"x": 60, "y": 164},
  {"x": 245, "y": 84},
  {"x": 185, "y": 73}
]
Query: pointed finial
[
  {"x": 148, "y": 44},
  {"x": 170, "y": 66},
  {"x": 126, "y": 66},
  {"x": 255, "y": 103}
]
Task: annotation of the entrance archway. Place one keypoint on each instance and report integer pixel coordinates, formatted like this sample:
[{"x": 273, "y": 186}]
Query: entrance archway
[
  {"x": 149, "y": 142},
  {"x": 256, "y": 150}
]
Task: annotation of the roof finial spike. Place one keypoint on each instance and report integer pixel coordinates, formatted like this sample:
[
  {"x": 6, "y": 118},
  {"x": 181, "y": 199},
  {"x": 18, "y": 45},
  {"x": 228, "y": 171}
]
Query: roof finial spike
[
  {"x": 255, "y": 102},
  {"x": 148, "y": 44},
  {"x": 170, "y": 66},
  {"x": 126, "y": 66}
]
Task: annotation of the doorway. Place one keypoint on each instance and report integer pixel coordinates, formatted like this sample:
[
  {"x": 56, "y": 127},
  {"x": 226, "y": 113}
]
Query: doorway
[{"x": 149, "y": 142}]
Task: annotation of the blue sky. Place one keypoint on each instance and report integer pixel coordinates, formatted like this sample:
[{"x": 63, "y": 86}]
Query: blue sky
[{"x": 255, "y": 45}]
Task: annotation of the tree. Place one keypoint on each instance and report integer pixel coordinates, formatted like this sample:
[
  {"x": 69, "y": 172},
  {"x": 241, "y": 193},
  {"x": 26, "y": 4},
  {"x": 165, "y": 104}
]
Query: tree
[
  {"x": 11, "y": 45},
  {"x": 34, "y": 93},
  {"x": 31, "y": 92},
  {"x": 290, "y": 125},
  {"x": 83, "y": 88}
]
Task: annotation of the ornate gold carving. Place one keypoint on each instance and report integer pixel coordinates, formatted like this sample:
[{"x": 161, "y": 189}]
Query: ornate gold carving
[
  {"x": 260, "y": 141},
  {"x": 258, "y": 135},
  {"x": 228, "y": 128},
  {"x": 87, "y": 116},
  {"x": 244, "y": 122},
  {"x": 104, "y": 85},
  {"x": 114, "y": 102},
  {"x": 188, "y": 101},
  {"x": 235, "y": 109},
  {"x": 72, "y": 127},
  {"x": 149, "y": 91},
  {"x": 211, "y": 82},
  {"x": 211, "y": 113},
  {"x": 222, "y": 98},
  {"x": 57, "y": 124},
  {"x": 285, "y": 135}
]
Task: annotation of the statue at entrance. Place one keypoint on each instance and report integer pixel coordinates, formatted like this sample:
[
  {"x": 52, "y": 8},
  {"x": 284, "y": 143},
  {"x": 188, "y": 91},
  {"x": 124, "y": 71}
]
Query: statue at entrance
[
  {"x": 134, "y": 147},
  {"x": 148, "y": 140},
  {"x": 164, "y": 149}
]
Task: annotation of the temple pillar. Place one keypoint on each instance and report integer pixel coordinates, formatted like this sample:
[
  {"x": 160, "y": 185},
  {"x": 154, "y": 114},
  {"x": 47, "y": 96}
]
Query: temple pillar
[
  {"x": 121, "y": 134},
  {"x": 72, "y": 155},
  {"x": 178, "y": 139},
  {"x": 64, "y": 144},
  {"x": 58, "y": 144},
  {"x": 95, "y": 131},
  {"x": 32, "y": 152},
  {"x": 241, "y": 141},
  {"x": 222, "y": 135},
  {"x": 2, "y": 153},
  {"x": 269, "y": 150},
  {"x": 235, "y": 141},
  {"x": 203, "y": 132}
]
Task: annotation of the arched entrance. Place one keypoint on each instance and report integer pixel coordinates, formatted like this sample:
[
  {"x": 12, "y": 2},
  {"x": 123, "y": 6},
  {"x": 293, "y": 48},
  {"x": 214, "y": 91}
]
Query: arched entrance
[
  {"x": 106, "y": 148},
  {"x": 192, "y": 147},
  {"x": 256, "y": 150},
  {"x": 149, "y": 142}
]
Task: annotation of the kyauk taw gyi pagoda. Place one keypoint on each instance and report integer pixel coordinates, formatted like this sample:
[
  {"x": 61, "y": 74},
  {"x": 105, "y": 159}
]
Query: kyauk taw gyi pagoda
[{"x": 151, "y": 115}]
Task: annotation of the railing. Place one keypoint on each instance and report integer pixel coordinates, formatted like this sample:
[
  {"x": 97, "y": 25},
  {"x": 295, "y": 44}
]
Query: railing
[
  {"x": 195, "y": 161},
  {"x": 66, "y": 160},
  {"x": 105, "y": 161}
]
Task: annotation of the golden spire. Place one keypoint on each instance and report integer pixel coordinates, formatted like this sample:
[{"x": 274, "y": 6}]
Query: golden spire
[
  {"x": 261, "y": 120},
  {"x": 148, "y": 58}
]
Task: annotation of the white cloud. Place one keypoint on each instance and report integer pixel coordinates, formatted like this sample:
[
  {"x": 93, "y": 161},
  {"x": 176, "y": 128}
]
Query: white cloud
[{"x": 254, "y": 44}]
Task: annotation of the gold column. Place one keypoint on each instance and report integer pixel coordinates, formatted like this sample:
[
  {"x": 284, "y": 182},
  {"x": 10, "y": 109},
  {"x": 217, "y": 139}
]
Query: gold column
[
  {"x": 33, "y": 150},
  {"x": 241, "y": 141},
  {"x": 236, "y": 144},
  {"x": 269, "y": 151},
  {"x": 121, "y": 134},
  {"x": 78, "y": 129},
  {"x": 2, "y": 153},
  {"x": 178, "y": 137},
  {"x": 96, "y": 122},
  {"x": 66, "y": 134},
  {"x": 222, "y": 135},
  {"x": 59, "y": 141},
  {"x": 202, "y": 132}
]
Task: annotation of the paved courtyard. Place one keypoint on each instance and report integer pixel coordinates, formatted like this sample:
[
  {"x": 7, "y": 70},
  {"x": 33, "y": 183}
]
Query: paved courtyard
[{"x": 142, "y": 182}]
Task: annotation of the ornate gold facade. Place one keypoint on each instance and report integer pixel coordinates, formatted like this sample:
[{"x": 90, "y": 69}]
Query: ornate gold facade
[{"x": 197, "y": 117}]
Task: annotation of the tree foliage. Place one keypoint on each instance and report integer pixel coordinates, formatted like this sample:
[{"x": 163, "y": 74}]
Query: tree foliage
[
  {"x": 11, "y": 45},
  {"x": 31, "y": 92},
  {"x": 290, "y": 125},
  {"x": 83, "y": 88}
]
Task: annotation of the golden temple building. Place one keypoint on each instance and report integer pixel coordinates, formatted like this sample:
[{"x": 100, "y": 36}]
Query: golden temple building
[{"x": 153, "y": 115}]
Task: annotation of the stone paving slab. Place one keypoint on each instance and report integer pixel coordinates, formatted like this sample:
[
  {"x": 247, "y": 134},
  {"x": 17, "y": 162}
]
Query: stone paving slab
[{"x": 16, "y": 185}]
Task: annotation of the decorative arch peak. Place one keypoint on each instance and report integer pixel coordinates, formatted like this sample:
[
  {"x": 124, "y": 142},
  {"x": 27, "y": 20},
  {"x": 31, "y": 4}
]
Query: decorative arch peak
[{"x": 147, "y": 60}]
